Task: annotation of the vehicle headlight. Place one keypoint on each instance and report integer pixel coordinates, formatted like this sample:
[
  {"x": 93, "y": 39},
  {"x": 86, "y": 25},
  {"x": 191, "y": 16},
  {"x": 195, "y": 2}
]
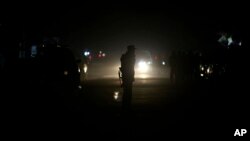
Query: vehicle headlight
[{"x": 143, "y": 66}]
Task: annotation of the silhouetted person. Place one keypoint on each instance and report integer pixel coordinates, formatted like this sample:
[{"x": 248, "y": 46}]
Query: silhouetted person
[{"x": 127, "y": 69}]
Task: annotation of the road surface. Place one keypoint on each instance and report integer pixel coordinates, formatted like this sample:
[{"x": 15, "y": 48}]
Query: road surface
[{"x": 159, "y": 110}]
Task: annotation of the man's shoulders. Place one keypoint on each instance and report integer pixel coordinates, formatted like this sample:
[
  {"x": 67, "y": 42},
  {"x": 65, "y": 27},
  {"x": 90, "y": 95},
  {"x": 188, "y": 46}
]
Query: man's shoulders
[{"x": 123, "y": 55}]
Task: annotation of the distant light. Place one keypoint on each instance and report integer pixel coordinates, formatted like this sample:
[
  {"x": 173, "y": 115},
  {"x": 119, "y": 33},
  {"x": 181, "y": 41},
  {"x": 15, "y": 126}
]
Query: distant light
[
  {"x": 208, "y": 70},
  {"x": 103, "y": 55},
  {"x": 240, "y": 43},
  {"x": 79, "y": 70},
  {"x": 65, "y": 72},
  {"x": 85, "y": 68},
  {"x": 163, "y": 63},
  {"x": 86, "y": 53},
  {"x": 202, "y": 74},
  {"x": 230, "y": 41},
  {"x": 100, "y": 52},
  {"x": 149, "y": 62},
  {"x": 116, "y": 95},
  {"x": 80, "y": 87},
  {"x": 202, "y": 68}
]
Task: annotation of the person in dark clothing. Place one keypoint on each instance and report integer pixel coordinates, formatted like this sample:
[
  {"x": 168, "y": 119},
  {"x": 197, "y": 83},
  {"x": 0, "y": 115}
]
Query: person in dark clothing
[{"x": 128, "y": 72}]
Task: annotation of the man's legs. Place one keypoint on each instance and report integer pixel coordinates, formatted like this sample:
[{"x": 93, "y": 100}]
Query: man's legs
[{"x": 127, "y": 97}]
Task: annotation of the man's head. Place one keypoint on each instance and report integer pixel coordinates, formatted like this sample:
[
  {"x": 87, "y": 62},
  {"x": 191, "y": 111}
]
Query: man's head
[{"x": 131, "y": 48}]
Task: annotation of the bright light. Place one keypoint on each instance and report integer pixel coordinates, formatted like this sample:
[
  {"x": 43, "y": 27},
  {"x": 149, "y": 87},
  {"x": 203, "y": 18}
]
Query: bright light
[
  {"x": 202, "y": 68},
  {"x": 80, "y": 87},
  {"x": 103, "y": 55},
  {"x": 116, "y": 95},
  {"x": 79, "y": 70},
  {"x": 86, "y": 53},
  {"x": 143, "y": 66},
  {"x": 208, "y": 70},
  {"x": 163, "y": 63},
  {"x": 202, "y": 74},
  {"x": 230, "y": 41},
  {"x": 85, "y": 68}
]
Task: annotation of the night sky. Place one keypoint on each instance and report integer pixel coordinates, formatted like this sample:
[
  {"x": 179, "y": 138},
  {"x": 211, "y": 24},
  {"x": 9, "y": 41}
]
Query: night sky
[{"x": 157, "y": 27}]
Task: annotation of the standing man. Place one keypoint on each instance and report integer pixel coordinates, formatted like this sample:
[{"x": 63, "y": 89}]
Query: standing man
[{"x": 128, "y": 72}]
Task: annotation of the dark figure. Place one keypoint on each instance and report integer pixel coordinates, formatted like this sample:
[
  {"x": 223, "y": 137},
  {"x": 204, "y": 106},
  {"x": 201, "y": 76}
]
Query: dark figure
[{"x": 127, "y": 70}]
